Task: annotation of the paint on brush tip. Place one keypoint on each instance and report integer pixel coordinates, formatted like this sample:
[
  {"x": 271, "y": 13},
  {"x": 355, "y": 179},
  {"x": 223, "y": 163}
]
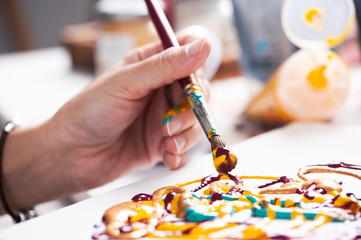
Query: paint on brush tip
[
  {"x": 212, "y": 132},
  {"x": 224, "y": 160}
]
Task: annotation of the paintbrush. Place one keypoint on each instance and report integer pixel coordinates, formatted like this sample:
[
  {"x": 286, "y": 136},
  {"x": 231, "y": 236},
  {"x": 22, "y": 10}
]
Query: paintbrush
[{"x": 223, "y": 158}]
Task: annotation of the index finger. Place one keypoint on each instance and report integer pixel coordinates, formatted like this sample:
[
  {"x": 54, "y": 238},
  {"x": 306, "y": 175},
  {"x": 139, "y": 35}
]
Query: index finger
[{"x": 146, "y": 51}]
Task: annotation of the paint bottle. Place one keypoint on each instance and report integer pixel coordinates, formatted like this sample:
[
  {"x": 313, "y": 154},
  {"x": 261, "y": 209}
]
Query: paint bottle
[
  {"x": 312, "y": 84},
  {"x": 264, "y": 46}
]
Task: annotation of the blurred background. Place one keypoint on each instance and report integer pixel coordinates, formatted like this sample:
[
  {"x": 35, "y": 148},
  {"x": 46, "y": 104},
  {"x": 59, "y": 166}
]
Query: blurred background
[
  {"x": 26, "y": 25},
  {"x": 33, "y": 24}
]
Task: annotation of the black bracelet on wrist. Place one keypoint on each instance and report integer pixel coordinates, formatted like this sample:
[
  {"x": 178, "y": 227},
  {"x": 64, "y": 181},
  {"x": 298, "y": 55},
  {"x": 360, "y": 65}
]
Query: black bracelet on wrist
[{"x": 24, "y": 214}]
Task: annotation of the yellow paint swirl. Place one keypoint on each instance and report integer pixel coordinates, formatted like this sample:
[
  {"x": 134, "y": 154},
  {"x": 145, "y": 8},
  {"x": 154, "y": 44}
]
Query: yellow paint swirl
[{"x": 185, "y": 212}]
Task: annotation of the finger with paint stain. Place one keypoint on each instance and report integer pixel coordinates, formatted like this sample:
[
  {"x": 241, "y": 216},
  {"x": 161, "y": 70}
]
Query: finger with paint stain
[{"x": 182, "y": 131}]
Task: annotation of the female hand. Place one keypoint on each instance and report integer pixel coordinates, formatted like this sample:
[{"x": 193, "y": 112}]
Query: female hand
[{"x": 111, "y": 128}]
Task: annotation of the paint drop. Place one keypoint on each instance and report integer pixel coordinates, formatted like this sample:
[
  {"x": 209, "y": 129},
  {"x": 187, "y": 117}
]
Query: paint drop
[
  {"x": 224, "y": 159},
  {"x": 317, "y": 78},
  {"x": 313, "y": 17}
]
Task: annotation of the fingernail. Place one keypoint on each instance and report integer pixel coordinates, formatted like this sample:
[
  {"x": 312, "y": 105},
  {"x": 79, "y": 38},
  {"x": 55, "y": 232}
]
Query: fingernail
[
  {"x": 195, "y": 47},
  {"x": 173, "y": 126},
  {"x": 178, "y": 160},
  {"x": 179, "y": 142}
]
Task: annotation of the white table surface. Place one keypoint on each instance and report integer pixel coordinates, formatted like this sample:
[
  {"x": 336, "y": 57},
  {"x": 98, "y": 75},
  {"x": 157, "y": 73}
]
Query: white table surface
[
  {"x": 35, "y": 84},
  {"x": 276, "y": 153}
]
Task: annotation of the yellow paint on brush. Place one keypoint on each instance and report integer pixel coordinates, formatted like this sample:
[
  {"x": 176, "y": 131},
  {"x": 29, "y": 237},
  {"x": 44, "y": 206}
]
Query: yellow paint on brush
[
  {"x": 317, "y": 78},
  {"x": 223, "y": 158},
  {"x": 190, "y": 102},
  {"x": 211, "y": 133},
  {"x": 217, "y": 161},
  {"x": 313, "y": 17}
]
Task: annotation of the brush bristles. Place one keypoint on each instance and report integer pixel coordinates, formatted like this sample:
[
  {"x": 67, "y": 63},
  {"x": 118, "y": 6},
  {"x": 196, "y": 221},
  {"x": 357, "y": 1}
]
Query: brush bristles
[{"x": 216, "y": 141}]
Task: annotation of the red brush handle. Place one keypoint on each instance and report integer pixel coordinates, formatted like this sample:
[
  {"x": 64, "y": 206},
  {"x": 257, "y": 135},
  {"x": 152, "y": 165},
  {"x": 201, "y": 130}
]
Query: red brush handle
[
  {"x": 189, "y": 84},
  {"x": 162, "y": 25},
  {"x": 165, "y": 32}
]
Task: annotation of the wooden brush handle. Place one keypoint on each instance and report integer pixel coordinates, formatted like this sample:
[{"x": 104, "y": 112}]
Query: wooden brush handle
[{"x": 189, "y": 84}]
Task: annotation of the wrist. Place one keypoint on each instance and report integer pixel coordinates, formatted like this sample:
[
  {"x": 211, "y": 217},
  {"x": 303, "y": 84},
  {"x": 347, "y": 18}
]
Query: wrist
[{"x": 32, "y": 168}]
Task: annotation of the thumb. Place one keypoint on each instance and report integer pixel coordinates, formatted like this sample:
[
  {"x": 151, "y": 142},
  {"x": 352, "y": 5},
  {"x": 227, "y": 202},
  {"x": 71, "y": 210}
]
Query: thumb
[{"x": 163, "y": 68}]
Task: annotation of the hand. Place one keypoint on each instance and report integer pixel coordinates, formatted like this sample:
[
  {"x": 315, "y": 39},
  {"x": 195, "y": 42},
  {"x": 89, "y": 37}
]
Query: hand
[
  {"x": 114, "y": 126},
  {"x": 111, "y": 128}
]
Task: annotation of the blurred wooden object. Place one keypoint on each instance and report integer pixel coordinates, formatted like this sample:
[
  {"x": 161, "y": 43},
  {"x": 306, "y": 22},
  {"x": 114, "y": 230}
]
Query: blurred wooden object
[
  {"x": 18, "y": 25},
  {"x": 80, "y": 41},
  {"x": 229, "y": 66}
]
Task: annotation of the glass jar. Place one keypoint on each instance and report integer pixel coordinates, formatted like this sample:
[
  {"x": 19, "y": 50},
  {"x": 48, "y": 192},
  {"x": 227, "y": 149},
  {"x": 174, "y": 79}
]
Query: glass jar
[{"x": 122, "y": 26}]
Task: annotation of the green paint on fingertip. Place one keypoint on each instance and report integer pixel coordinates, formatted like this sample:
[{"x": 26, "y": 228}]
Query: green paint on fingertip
[
  {"x": 165, "y": 120},
  {"x": 178, "y": 108}
]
